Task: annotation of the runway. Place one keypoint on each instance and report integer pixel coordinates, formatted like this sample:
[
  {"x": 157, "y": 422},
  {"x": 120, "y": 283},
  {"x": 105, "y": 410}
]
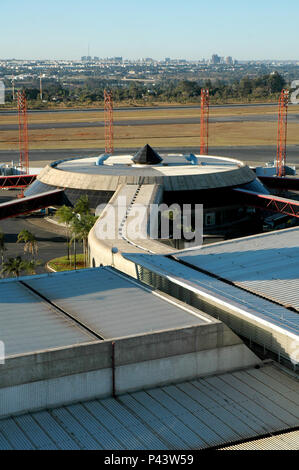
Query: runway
[{"x": 292, "y": 118}]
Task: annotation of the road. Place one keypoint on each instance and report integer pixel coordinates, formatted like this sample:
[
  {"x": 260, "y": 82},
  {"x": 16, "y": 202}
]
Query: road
[
  {"x": 292, "y": 118},
  {"x": 51, "y": 242},
  {"x": 250, "y": 155}
]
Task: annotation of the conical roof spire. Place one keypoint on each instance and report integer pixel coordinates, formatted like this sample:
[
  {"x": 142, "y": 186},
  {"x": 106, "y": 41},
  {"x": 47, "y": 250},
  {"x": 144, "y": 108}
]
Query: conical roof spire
[{"x": 147, "y": 156}]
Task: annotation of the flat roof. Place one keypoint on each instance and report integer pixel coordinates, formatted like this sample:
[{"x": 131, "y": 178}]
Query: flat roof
[
  {"x": 266, "y": 264},
  {"x": 172, "y": 165},
  {"x": 198, "y": 414},
  {"x": 113, "y": 305},
  {"x": 62, "y": 309},
  {"x": 28, "y": 324}
]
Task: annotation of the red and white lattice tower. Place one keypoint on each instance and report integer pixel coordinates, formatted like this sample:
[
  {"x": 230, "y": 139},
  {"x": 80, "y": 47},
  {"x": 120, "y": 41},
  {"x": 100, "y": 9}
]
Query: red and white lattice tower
[
  {"x": 204, "y": 122},
  {"x": 108, "y": 117},
  {"x": 282, "y": 132},
  {"x": 23, "y": 132}
]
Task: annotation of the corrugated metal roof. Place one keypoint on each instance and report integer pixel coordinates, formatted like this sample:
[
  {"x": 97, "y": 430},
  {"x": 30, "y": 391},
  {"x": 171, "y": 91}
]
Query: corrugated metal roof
[
  {"x": 266, "y": 264},
  {"x": 261, "y": 308},
  {"x": 28, "y": 324},
  {"x": 111, "y": 304},
  {"x": 213, "y": 411}
]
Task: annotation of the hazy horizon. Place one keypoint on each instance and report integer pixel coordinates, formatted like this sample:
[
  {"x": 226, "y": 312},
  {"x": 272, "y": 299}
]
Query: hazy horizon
[
  {"x": 67, "y": 29},
  {"x": 140, "y": 58}
]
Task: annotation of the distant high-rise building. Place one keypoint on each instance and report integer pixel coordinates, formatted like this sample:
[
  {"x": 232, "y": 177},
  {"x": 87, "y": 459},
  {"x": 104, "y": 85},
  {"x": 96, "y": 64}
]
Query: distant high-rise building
[
  {"x": 229, "y": 60},
  {"x": 96, "y": 58},
  {"x": 215, "y": 59}
]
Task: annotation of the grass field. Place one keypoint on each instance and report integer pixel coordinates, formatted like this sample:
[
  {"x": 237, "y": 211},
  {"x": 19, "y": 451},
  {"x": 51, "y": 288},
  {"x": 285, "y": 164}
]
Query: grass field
[
  {"x": 220, "y": 134},
  {"x": 63, "y": 264},
  {"x": 139, "y": 114}
]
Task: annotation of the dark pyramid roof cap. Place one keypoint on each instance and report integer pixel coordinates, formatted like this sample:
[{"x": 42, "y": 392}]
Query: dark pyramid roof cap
[{"x": 147, "y": 156}]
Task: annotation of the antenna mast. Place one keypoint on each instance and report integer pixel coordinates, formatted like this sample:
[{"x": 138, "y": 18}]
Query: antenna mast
[
  {"x": 204, "y": 122},
  {"x": 13, "y": 87},
  {"x": 108, "y": 117},
  {"x": 282, "y": 132},
  {"x": 40, "y": 87},
  {"x": 23, "y": 132}
]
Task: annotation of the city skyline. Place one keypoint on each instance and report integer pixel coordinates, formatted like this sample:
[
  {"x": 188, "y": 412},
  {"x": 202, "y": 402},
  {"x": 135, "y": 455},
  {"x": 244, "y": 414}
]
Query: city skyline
[
  {"x": 227, "y": 59},
  {"x": 70, "y": 29}
]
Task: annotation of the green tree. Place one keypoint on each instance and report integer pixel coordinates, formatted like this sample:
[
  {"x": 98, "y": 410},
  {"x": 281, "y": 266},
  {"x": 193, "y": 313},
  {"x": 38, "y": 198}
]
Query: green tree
[
  {"x": 276, "y": 82},
  {"x": 29, "y": 240},
  {"x": 15, "y": 266},
  {"x": 79, "y": 221},
  {"x": 81, "y": 227},
  {"x": 12, "y": 267},
  {"x": 245, "y": 86},
  {"x": 82, "y": 205},
  {"x": 30, "y": 266},
  {"x": 65, "y": 216}
]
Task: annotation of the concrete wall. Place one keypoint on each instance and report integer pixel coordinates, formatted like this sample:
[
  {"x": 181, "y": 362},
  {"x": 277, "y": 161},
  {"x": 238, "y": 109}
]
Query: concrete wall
[
  {"x": 183, "y": 367},
  {"x": 53, "y": 378},
  {"x": 100, "y": 250}
]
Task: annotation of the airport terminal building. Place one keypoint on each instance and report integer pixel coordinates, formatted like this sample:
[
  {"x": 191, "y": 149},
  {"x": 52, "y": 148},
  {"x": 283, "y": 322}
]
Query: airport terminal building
[
  {"x": 155, "y": 347},
  {"x": 172, "y": 179}
]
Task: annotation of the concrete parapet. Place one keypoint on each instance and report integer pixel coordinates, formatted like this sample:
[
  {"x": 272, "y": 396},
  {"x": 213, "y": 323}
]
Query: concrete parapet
[
  {"x": 111, "y": 178},
  {"x": 106, "y": 368}
]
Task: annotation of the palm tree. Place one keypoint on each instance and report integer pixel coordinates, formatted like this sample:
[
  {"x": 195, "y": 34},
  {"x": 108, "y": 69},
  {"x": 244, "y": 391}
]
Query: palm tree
[
  {"x": 74, "y": 240},
  {"x": 15, "y": 266},
  {"x": 81, "y": 209},
  {"x": 81, "y": 228},
  {"x": 79, "y": 221},
  {"x": 30, "y": 266},
  {"x": 82, "y": 205},
  {"x": 30, "y": 242},
  {"x": 65, "y": 216}
]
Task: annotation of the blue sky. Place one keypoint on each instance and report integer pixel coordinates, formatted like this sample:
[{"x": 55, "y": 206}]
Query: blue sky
[{"x": 192, "y": 29}]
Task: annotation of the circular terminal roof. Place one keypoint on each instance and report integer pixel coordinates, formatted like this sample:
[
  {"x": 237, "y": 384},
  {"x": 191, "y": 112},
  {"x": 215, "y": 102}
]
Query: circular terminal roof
[{"x": 173, "y": 171}]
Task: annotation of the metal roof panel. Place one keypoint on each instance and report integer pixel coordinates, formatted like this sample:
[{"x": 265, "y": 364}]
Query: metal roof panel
[
  {"x": 111, "y": 304},
  {"x": 183, "y": 416},
  {"x": 28, "y": 324},
  {"x": 266, "y": 264}
]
